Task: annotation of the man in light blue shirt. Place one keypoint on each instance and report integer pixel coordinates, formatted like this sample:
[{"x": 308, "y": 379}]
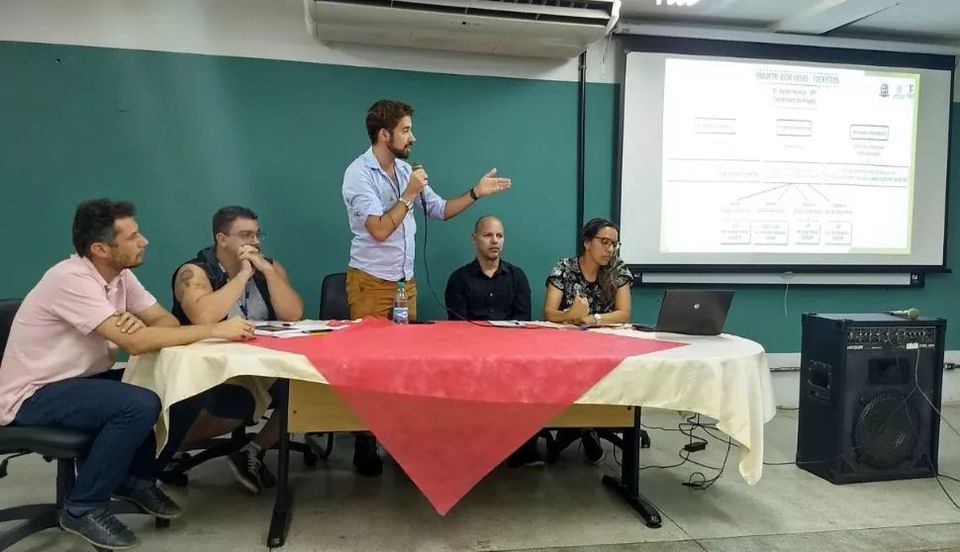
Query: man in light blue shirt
[{"x": 380, "y": 191}]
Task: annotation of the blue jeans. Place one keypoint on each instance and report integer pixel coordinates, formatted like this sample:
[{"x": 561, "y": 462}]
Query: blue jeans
[
  {"x": 235, "y": 402},
  {"x": 122, "y": 417}
]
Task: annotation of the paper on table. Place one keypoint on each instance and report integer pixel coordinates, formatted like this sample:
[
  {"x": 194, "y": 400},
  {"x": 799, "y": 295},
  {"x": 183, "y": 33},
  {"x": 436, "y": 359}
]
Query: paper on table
[
  {"x": 555, "y": 325},
  {"x": 507, "y": 323},
  {"x": 283, "y": 330},
  {"x": 559, "y": 326}
]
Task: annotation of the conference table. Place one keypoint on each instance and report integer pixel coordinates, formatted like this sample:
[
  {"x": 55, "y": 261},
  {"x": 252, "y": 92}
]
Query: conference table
[{"x": 450, "y": 401}]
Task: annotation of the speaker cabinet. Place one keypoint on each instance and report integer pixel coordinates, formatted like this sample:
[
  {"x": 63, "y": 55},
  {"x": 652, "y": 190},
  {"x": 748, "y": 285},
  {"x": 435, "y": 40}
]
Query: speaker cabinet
[{"x": 863, "y": 415}]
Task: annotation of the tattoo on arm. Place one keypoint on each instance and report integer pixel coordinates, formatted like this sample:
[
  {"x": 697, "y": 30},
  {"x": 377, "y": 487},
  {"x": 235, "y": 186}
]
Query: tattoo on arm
[
  {"x": 183, "y": 280},
  {"x": 186, "y": 281},
  {"x": 185, "y": 276}
]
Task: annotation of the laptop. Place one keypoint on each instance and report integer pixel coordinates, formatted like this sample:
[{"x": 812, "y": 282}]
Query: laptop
[{"x": 692, "y": 312}]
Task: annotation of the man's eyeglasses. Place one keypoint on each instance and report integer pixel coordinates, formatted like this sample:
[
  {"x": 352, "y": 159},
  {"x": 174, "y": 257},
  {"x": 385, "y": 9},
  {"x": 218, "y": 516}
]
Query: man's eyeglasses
[{"x": 249, "y": 235}]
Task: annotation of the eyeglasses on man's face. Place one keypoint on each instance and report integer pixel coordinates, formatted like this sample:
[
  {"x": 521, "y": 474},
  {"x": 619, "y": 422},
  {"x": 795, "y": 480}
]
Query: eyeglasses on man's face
[{"x": 249, "y": 235}]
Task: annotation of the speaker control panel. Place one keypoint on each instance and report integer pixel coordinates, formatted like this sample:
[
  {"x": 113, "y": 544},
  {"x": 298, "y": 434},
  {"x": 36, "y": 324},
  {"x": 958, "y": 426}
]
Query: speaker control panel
[{"x": 891, "y": 336}]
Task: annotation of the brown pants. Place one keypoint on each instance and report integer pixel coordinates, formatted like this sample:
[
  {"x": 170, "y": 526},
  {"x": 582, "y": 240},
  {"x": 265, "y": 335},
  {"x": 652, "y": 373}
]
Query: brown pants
[{"x": 368, "y": 295}]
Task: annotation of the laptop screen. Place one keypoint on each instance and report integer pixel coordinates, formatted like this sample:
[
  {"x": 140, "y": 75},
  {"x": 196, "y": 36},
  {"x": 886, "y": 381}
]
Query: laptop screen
[{"x": 694, "y": 312}]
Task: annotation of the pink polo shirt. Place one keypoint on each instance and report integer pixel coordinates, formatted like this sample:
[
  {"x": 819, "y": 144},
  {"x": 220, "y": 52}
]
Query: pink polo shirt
[{"x": 53, "y": 335}]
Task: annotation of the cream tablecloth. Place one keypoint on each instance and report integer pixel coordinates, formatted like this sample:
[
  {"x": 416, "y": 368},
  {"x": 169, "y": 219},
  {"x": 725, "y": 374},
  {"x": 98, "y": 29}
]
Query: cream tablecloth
[{"x": 724, "y": 377}]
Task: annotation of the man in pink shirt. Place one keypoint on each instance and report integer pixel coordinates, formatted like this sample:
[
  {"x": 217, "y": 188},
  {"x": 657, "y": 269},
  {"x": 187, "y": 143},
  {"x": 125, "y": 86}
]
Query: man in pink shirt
[{"x": 55, "y": 370}]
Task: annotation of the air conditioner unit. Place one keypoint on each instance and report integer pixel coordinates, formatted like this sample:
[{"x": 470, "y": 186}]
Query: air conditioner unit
[{"x": 537, "y": 28}]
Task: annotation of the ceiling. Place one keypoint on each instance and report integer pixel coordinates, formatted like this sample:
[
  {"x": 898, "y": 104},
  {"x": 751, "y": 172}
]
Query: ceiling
[{"x": 929, "y": 21}]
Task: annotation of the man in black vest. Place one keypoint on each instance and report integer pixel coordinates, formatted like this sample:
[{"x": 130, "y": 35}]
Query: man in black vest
[{"x": 232, "y": 278}]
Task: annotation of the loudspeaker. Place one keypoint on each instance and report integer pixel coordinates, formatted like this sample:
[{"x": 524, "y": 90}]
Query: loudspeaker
[{"x": 863, "y": 415}]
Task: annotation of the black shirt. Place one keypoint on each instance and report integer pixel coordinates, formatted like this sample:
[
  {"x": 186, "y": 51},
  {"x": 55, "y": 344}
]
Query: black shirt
[{"x": 474, "y": 296}]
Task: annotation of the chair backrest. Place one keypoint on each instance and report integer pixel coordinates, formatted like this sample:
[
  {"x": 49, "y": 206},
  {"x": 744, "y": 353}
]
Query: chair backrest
[
  {"x": 333, "y": 297},
  {"x": 8, "y": 309}
]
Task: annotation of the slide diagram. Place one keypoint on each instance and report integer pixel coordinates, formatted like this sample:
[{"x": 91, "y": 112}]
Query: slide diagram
[{"x": 786, "y": 159}]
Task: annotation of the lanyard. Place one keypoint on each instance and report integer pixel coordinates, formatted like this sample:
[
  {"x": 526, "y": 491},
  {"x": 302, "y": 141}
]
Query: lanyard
[{"x": 243, "y": 304}]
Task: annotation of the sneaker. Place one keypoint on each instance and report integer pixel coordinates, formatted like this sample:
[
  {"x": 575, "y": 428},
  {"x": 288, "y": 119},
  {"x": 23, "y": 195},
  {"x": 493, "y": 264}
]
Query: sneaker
[
  {"x": 366, "y": 457},
  {"x": 153, "y": 501},
  {"x": 246, "y": 467},
  {"x": 267, "y": 479},
  {"x": 100, "y": 528},
  {"x": 526, "y": 455},
  {"x": 592, "y": 448}
]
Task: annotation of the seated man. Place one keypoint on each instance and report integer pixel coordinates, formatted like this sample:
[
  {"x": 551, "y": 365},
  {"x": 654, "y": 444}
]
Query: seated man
[
  {"x": 56, "y": 370},
  {"x": 233, "y": 278},
  {"x": 489, "y": 288}
]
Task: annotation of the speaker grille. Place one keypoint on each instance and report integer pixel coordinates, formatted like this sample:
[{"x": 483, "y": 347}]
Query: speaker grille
[{"x": 886, "y": 432}]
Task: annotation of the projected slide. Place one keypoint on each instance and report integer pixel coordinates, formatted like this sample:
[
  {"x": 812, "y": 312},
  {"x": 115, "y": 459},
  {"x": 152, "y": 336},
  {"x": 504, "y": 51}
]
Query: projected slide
[{"x": 774, "y": 158}]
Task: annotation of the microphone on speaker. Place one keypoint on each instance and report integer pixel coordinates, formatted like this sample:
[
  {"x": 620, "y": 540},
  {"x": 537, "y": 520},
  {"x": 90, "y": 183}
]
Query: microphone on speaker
[{"x": 911, "y": 313}]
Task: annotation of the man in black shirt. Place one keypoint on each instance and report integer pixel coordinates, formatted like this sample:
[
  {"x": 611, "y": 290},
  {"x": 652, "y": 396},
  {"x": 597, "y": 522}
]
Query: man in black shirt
[{"x": 489, "y": 288}]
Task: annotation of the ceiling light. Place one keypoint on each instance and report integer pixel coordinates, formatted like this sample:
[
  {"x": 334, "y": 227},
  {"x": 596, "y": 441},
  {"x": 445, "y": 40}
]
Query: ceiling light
[{"x": 677, "y": 2}]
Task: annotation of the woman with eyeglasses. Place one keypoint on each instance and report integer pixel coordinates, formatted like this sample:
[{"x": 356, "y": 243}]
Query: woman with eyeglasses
[{"x": 591, "y": 289}]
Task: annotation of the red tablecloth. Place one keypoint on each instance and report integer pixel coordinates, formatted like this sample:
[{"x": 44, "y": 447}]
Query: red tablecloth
[{"x": 451, "y": 400}]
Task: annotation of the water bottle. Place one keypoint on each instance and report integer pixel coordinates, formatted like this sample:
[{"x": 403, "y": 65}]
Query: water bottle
[{"x": 401, "y": 312}]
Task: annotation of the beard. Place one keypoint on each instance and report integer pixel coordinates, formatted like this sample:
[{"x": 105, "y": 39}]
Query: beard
[
  {"x": 132, "y": 261},
  {"x": 400, "y": 153}
]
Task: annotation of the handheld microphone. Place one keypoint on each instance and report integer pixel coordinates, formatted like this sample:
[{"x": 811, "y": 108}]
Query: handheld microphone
[
  {"x": 423, "y": 200},
  {"x": 910, "y": 314}
]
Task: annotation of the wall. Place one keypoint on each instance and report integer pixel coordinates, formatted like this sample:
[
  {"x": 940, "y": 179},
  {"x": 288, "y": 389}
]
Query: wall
[
  {"x": 185, "y": 106},
  {"x": 181, "y": 135}
]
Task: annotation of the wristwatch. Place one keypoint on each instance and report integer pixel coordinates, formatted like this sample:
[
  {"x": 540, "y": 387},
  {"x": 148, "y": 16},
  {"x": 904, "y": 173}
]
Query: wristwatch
[
  {"x": 474, "y": 195},
  {"x": 407, "y": 202},
  {"x": 597, "y": 317}
]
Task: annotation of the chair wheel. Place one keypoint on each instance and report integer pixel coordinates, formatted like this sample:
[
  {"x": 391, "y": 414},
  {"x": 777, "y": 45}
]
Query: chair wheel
[
  {"x": 161, "y": 523},
  {"x": 310, "y": 459}
]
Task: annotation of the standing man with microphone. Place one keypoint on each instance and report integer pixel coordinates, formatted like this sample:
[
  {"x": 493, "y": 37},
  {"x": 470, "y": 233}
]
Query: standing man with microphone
[{"x": 380, "y": 191}]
